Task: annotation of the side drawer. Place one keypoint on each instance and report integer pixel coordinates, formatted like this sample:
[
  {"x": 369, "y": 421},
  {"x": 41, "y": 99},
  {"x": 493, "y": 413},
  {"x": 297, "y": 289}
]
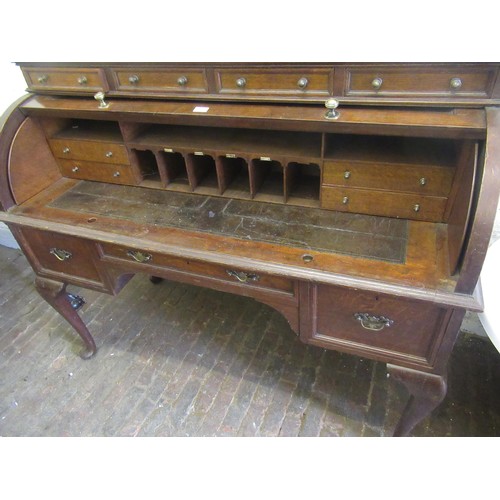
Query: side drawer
[
  {"x": 101, "y": 172},
  {"x": 87, "y": 80},
  {"x": 296, "y": 81},
  {"x": 62, "y": 257},
  {"x": 420, "y": 82},
  {"x": 384, "y": 203},
  {"x": 373, "y": 324},
  {"x": 90, "y": 151},
  {"x": 229, "y": 274},
  {"x": 178, "y": 80},
  {"x": 433, "y": 181}
]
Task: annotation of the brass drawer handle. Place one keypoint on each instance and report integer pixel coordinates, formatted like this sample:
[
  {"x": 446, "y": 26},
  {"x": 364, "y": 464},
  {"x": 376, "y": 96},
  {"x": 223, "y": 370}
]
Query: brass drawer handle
[
  {"x": 108, "y": 154},
  {"x": 139, "y": 256},
  {"x": 43, "y": 79},
  {"x": 82, "y": 80},
  {"x": 374, "y": 323},
  {"x": 241, "y": 82},
  {"x": 455, "y": 83},
  {"x": 303, "y": 82},
  {"x": 75, "y": 169},
  {"x": 66, "y": 150},
  {"x": 133, "y": 79},
  {"x": 331, "y": 105},
  {"x": 182, "y": 80},
  {"x": 61, "y": 255},
  {"x": 377, "y": 83},
  {"x": 243, "y": 277}
]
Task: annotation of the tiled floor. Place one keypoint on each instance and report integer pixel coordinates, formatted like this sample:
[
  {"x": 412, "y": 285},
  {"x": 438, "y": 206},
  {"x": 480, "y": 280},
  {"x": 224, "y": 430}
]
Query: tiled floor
[{"x": 175, "y": 360}]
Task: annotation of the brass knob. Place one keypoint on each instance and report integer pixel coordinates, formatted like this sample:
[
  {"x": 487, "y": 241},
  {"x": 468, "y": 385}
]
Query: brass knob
[
  {"x": 108, "y": 154},
  {"x": 332, "y": 105},
  {"x": 100, "y": 96},
  {"x": 455, "y": 83},
  {"x": 116, "y": 174},
  {"x": 182, "y": 80},
  {"x": 423, "y": 181},
  {"x": 241, "y": 82},
  {"x": 75, "y": 169},
  {"x": 302, "y": 83},
  {"x": 133, "y": 79},
  {"x": 347, "y": 174},
  {"x": 82, "y": 80},
  {"x": 416, "y": 208},
  {"x": 377, "y": 83},
  {"x": 345, "y": 200},
  {"x": 43, "y": 79},
  {"x": 66, "y": 150}
]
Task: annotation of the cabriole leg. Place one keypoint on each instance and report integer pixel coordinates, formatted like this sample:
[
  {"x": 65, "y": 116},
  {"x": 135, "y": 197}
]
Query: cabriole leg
[
  {"x": 67, "y": 306},
  {"x": 426, "y": 390}
]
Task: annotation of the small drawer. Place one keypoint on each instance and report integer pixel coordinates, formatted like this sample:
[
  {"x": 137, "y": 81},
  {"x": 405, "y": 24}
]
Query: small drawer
[
  {"x": 193, "y": 268},
  {"x": 384, "y": 203},
  {"x": 374, "y": 323},
  {"x": 102, "y": 172},
  {"x": 430, "y": 181},
  {"x": 104, "y": 152},
  {"x": 65, "y": 79},
  {"x": 179, "y": 80},
  {"x": 297, "y": 82},
  {"x": 62, "y": 257},
  {"x": 420, "y": 82}
]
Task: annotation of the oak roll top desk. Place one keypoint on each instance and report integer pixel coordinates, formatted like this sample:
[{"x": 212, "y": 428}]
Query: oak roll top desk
[{"x": 358, "y": 200}]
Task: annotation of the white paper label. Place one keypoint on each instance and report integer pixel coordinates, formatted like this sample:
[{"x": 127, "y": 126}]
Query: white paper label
[{"x": 201, "y": 109}]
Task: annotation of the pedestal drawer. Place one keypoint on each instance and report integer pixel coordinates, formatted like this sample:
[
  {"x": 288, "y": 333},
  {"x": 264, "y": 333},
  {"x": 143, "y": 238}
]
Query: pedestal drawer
[
  {"x": 62, "y": 257},
  {"x": 65, "y": 79},
  {"x": 373, "y": 324}
]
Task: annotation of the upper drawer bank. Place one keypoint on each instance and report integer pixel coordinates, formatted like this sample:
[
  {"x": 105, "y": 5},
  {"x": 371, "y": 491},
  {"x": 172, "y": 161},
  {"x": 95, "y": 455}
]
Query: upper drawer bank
[{"x": 352, "y": 83}]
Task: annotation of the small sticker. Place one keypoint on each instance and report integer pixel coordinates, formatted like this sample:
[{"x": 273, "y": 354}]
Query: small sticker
[{"x": 201, "y": 109}]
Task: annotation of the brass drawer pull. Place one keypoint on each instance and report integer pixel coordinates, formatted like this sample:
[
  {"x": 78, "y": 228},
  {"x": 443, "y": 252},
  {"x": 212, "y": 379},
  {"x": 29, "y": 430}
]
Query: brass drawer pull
[
  {"x": 61, "y": 255},
  {"x": 116, "y": 174},
  {"x": 423, "y": 181},
  {"x": 347, "y": 174},
  {"x": 243, "y": 277},
  {"x": 345, "y": 200},
  {"x": 82, "y": 80},
  {"x": 377, "y": 83},
  {"x": 75, "y": 169},
  {"x": 43, "y": 79},
  {"x": 139, "y": 256},
  {"x": 303, "y": 82},
  {"x": 133, "y": 79},
  {"x": 374, "y": 323},
  {"x": 331, "y": 105},
  {"x": 455, "y": 83},
  {"x": 416, "y": 208},
  {"x": 66, "y": 150},
  {"x": 182, "y": 80},
  {"x": 241, "y": 82},
  {"x": 108, "y": 154}
]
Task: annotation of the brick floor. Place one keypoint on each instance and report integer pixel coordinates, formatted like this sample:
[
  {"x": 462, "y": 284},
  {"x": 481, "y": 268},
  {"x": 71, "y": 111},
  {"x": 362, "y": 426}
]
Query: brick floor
[{"x": 176, "y": 360}]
